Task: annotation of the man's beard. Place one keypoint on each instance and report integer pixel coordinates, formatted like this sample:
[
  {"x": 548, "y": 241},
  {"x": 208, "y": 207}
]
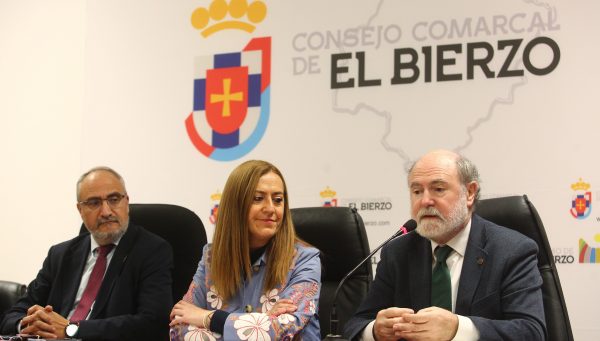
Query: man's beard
[
  {"x": 444, "y": 228},
  {"x": 111, "y": 236}
]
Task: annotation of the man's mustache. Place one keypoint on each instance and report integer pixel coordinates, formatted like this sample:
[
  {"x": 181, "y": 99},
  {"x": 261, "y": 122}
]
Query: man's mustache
[
  {"x": 430, "y": 211},
  {"x": 107, "y": 220}
]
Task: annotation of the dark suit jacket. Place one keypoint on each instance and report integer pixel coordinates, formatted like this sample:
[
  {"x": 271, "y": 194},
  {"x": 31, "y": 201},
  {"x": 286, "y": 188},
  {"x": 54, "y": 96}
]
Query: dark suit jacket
[
  {"x": 134, "y": 300},
  {"x": 499, "y": 287}
]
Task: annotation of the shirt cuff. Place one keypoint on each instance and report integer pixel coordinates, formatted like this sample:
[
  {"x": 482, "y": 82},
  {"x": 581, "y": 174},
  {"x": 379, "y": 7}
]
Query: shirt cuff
[
  {"x": 217, "y": 322},
  {"x": 367, "y": 334},
  {"x": 466, "y": 330}
]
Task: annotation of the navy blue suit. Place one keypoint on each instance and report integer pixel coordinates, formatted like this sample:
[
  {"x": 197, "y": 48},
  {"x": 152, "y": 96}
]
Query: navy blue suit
[
  {"x": 499, "y": 287},
  {"x": 134, "y": 300}
]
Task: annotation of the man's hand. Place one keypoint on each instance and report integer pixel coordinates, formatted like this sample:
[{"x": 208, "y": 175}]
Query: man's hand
[
  {"x": 431, "y": 323},
  {"x": 44, "y": 322},
  {"x": 383, "y": 329}
]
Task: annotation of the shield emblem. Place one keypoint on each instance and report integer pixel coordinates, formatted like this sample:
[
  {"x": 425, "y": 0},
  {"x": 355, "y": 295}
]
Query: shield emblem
[
  {"x": 231, "y": 101},
  {"x": 214, "y": 211},
  {"x": 581, "y": 205},
  {"x": 226, "y": 100},
  {"x": 330, "y": 203}
]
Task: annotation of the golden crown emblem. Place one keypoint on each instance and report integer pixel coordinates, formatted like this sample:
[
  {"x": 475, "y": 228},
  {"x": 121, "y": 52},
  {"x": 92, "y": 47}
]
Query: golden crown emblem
[
  {"x": 215, "y": 196},
  {"x": 580, "y": 186},
  {"x": 219, "y": 10},
  {"x": 328, "y": 193}
]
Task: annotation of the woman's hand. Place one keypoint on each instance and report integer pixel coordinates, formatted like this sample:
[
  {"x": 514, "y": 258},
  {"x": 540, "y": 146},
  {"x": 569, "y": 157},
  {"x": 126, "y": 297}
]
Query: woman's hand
[
  {"x": 283, "y": 306},
  {"x": 186, "y": 312}
]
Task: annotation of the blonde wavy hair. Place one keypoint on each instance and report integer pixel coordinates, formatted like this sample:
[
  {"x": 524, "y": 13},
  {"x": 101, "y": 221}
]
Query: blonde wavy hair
[{"x": 230, "y": 252}]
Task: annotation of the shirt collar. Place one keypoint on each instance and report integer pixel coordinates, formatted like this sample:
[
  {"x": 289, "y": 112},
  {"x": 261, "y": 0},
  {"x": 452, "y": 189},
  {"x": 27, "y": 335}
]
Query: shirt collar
[
  {"x": 262, "y": 259},
  {"x": 94, "y": 244},
  {"x": 459, "y": 242}
]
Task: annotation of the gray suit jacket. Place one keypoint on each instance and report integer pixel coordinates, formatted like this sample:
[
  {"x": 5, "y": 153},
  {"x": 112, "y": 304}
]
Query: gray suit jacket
[
  {"x": 134, "y": 300},
  {"x": 499, "y": 287}
]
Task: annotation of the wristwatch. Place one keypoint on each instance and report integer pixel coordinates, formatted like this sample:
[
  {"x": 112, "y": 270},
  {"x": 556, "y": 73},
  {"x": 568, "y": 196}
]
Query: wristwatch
[{"x": 71, "y": 329}]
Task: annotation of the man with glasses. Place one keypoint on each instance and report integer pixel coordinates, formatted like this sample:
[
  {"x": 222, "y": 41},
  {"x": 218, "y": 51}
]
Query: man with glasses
[{"x": 111, "y": 284}]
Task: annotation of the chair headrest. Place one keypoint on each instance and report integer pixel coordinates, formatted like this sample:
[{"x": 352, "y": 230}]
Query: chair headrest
[
  {"x": 519, "y": 214},
  {"x": 339, "y": 233}
]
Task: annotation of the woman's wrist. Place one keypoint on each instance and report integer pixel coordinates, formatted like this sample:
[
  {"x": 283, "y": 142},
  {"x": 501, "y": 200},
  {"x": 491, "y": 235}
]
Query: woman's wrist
[{"x": 206, "y": 320}]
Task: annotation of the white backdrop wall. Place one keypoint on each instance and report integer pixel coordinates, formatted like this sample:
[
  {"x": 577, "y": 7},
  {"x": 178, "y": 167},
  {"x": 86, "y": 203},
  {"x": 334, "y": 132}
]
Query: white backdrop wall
[
  {"x": 112, "y": 82},
  {"x": 41, "y": 105}
]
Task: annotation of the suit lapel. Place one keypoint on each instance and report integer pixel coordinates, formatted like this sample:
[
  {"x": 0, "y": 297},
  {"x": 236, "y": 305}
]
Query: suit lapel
[
  {"x": 76, "y": 257},
  {"x": 473, "y": 265},
  {"x": 114, "y": 269},
  {"x": 420, "y": 274}
]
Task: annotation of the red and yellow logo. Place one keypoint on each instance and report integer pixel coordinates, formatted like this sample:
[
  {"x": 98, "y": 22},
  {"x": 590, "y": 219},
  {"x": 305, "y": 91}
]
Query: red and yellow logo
[
  {"x": 214, "y": 209},
  {"x": 329, "y": 197},
  {"x": 581, "y": 204}
]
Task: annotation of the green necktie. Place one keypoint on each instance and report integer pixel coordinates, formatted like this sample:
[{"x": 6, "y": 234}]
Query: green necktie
[{"x": 441, "y": 288}]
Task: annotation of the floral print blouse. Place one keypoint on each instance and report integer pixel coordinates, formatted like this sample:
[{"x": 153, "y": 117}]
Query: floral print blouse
[{"x": 248, "y": 319}]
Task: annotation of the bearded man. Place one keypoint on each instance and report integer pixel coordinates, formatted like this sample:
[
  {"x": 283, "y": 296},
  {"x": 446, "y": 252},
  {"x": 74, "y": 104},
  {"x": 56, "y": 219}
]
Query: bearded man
[
  {"x": 113, "y": 283},
  {"x": 459, "y": 277}
]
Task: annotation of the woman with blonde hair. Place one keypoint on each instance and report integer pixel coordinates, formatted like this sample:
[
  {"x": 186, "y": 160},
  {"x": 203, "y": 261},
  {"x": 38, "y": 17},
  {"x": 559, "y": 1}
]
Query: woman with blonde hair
[{"x": 257, "y": 280}]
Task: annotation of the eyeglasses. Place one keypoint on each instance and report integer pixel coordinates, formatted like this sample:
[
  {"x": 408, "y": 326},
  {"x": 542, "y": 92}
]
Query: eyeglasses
[{"x": 113, "y": 201}]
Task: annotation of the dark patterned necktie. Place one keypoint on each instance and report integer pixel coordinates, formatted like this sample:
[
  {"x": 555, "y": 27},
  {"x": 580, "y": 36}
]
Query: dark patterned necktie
[
  {"x": 441, "y": 287},
  {"x": 93, "y": 285}
]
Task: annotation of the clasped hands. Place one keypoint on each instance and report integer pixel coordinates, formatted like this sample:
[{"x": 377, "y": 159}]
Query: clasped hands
[
  {"x": 45, "y": 322},
  {"x": 187, "y": 313},
  {"x": 431, "y": 323}
]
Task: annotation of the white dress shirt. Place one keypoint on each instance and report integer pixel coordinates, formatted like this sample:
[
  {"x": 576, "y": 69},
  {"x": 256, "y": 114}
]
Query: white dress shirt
[{"x": 466, "y": 329}]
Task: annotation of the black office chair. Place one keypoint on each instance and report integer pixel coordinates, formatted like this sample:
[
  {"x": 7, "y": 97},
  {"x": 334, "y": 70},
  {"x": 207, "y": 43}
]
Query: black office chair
[
  {"x": 339, "y": 233},
  {"x": 518, "y": 213},
  {"x": 10, "y": 292},
  {"x": 183, "y": 229}
]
